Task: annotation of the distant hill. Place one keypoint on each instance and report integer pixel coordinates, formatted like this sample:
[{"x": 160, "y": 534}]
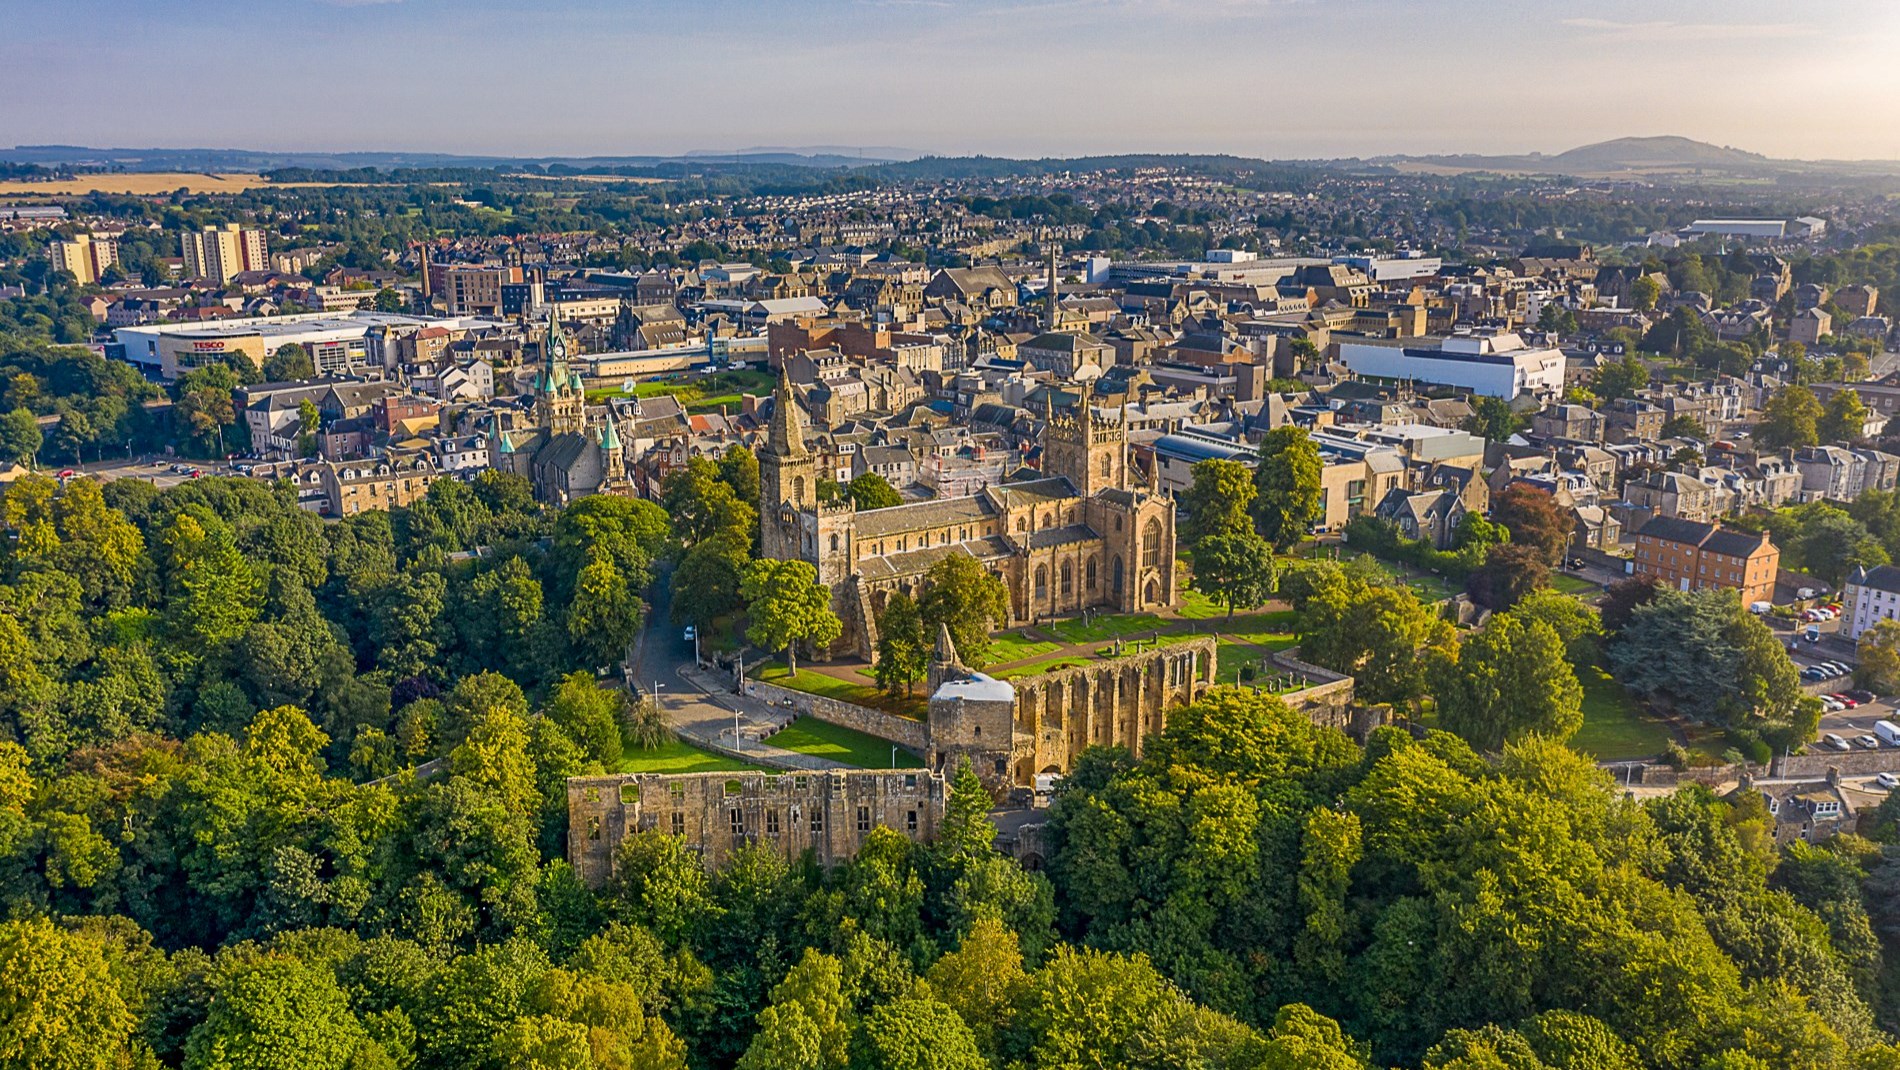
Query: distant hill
[{"x": 1636, "y": 155}]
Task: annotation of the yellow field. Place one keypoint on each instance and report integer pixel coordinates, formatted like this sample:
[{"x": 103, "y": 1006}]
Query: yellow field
[{"x": 143, "y": 185}]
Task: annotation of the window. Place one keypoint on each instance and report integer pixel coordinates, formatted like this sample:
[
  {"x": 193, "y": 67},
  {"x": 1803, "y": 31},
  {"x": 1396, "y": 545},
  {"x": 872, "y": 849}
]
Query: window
[
  {"x": 817, "y": 820},
  {"x": 679, "y": 823},
  {"x": 1068, "y": 579},
  {"x": 1151, "y": 544},
  {"x": 737, "y": 817},
  {"x": 771, "y": 822},
  {"x": 910, "y": 821},
  {"x": 593, "y": 828},
  {"x": 1088, "y": 574},
  {"x": 864, "y": 819}
]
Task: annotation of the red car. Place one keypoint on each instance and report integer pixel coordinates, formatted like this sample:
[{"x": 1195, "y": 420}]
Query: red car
[{"x": 1845, "y": 700}]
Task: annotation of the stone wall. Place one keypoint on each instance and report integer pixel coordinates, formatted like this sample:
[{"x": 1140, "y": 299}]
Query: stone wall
[
  {"x": 1819, "y": 759},
  {"x": 828, "y": 813},
  {"x": 1327, "y": 698},
  {"x": 906, "y": 733},
  {"x": 1119, "y": 701}
]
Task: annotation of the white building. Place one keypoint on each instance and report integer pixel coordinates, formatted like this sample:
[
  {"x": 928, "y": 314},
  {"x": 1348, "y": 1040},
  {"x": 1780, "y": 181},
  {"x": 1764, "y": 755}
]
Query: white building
[
  {"x": 1739, "y": 228},
  {"x": 337, "y": 341},
  {"x": 1498, "y": 365},
  {"x": 1871, "y": 595}
]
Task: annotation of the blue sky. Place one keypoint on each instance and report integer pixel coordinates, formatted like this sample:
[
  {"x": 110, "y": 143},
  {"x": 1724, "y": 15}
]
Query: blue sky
[{"x": 1279, "y": 78}]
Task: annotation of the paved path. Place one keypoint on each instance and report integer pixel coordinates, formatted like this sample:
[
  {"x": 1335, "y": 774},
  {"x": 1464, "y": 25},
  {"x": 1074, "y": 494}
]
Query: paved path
[{"x": 700, "y": 705}]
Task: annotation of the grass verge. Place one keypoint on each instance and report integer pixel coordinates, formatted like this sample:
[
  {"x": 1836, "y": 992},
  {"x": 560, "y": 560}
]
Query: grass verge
[
  {"x": 678, "y": 756},
  {"x": 808, "y": 735}
]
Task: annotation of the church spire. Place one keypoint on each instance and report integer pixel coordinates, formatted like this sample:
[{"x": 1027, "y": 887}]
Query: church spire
[{"x": 786, "y": 434}]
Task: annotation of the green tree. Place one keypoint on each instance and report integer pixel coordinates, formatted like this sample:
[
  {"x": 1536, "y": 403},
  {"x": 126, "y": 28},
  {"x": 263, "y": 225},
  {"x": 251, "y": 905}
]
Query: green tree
[
  {"x": 277, "y": 1014},
  {"x": 873, "y": 491},
  {"x": 1287, "y": 481},
  {"x": 788, "y": 606},
  {"x": 1620, "y": 379},
  {"x": 591, "y": 715},
  {"x": 1702, "y": 654},
  {"x": 1377, "y": 634},
  {"x": 1684, "y": 426},
  {"x": 1879, "y": 663},
  {"x": 711, "y": 570},
  {"x": 1235, "y": 568},
  {"x": 1789, "y": 418},
  {"x": 960, "y": 594},
  {"x": 903, "y": 646},
  {"x": 1843, "y": 418},
  {"x": 739, "y": 469},
  {"x": 917, "y": 1034},
  {"x": 61, "y": 1008},
  {"x": 1218, "y": 502},
  {"x": 211, "y": 591},
  {"x": 388, "y": 300},
  {"x": 1509, "y": 681},
  {"x": 1644, "y": 292},
  {"x": 805, "y": 1027},
  {"x": 289, "y": 362},
  {"x": 20, "y": 437},
  {"x": 604, "y": 616},
  {"x": 1493, "y": 418}
]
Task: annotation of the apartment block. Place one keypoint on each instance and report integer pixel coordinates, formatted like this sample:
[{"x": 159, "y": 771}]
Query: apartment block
[
  {"x": 85, "y": 256},
  {"x": 220, "y": 252}
]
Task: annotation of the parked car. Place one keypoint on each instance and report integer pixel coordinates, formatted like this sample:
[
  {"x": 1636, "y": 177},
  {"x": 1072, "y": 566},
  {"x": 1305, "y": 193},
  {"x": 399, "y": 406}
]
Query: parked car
[
  {"x": 1888, "y": 781},
  {"x": 1835, "y": 741},
  {"x": 1868, "y": 742},
  {"x": 1841, "y": 697},
  {"x": 1830, "y": 705},
  {"x": 1859, "y": 695}
]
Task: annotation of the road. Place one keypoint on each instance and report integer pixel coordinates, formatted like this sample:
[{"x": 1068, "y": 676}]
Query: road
[{"x": 699, "y": 706}]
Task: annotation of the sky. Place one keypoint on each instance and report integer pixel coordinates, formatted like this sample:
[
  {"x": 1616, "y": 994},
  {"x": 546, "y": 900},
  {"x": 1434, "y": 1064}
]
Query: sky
[{"x": 1273, "y": 78}]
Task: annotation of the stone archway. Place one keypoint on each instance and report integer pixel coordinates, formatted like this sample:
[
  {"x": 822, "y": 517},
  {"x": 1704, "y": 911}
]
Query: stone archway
[{"x": 1152, "y": 593}]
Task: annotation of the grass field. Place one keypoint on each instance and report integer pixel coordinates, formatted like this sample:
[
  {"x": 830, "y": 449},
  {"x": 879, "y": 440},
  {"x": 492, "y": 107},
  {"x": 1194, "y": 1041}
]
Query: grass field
[
  {"x": 704, "y": 393},
  {"x": 808, "y": 735},
  {"x": 1035, "y": 668},
  {"x": 678, "y": 756},
  {"x": 1564, "y": 583},
  {"x": 818, "y": 683},
  {"x": 1016, "y": 648},
  {"x": 148, "y": 184},
  {"x": 1614, "y": 726},
  {"x": 1107, "y": 626}
]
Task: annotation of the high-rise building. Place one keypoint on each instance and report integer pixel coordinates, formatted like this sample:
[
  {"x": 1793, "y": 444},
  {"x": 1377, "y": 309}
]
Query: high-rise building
[
  {"x": 86, "y": 256},
  {"x": 220, "y": 252}
]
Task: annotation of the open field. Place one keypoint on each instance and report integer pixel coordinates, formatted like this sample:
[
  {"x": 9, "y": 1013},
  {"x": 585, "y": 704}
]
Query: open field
[
  {"x": 1614, "y": 726},
  {"x": 820, "y": 739},
  {"x": 678, "y": 756},
  {"x": 818, "y": 683},
  {"x": 148, "y": 184}
]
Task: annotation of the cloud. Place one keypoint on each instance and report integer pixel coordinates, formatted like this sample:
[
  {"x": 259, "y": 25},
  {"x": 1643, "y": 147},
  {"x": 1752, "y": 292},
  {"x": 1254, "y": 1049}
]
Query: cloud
[{"x": 1668, "y": 30}]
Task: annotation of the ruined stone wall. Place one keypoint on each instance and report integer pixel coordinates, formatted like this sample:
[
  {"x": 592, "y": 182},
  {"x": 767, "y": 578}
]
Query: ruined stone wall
[
  {"x": 1120, "y": 701},
  {"x": 1327, "y": 698},
  {"x": 828, "y": 813}
]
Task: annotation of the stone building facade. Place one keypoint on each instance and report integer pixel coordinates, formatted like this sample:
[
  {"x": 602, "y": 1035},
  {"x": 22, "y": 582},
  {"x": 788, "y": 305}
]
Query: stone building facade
[
  {"x": 828, "y": 813},
  {"x": 1084, "y": 536},
  {"x": 1013, "y": 730}
]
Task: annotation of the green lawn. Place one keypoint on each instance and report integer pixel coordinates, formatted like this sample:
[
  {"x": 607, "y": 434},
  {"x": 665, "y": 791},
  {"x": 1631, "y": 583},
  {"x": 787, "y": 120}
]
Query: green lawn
[
  {"x": 1564, "y": 583},
  {"x": 1106, "y": 626},
  {"x": 1016, "y": 647},
  {"x": 705, "y": 392},
  {"x": 1046, "y": 665},
  {"x": 808, "y": 735},
  {"x": 818, "y": 683},
  {"x": 1614, "y": 726},
  {"x": 678, "y": 756}
]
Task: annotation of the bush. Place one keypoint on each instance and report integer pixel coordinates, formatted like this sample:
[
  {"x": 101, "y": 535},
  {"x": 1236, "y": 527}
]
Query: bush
[{"x": 1676, "y": 756}]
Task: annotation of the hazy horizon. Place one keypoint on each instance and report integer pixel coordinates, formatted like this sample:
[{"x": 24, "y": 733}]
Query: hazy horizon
[{"x": 1267, "y": 78}]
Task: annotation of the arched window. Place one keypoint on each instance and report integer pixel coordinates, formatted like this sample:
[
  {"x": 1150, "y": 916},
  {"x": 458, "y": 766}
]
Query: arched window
[
  {"x": 1022, "y": 523},
  {"x": 1151, "y": 544},
  {"x": 1042, "y": 582},
  {"x": 1117, "y": 580},
  {"x": 834, "y": 542},
  {"x": 1088, "y": 573},
  {"x": 1068, "y": 579},
  {"x": 1108, "y": 464},
  {"x": 798, "y": 490}
]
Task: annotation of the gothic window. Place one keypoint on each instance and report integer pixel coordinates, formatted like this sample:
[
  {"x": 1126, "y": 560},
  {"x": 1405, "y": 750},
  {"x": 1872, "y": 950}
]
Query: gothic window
[
  {"x": 1116, "y": 573},
  {"x": 1107, "y": 463},
  {"x": 798, "y": 489},
  {"x": 1151, "y": 544},
  {"x": 1068, "y": 579},
  {"x": 834, "y": 542},
  {"x": 1088, "y": 574},
  {"x": 1042, "y": 582},
  {"x": 1022, "y": 524}
]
